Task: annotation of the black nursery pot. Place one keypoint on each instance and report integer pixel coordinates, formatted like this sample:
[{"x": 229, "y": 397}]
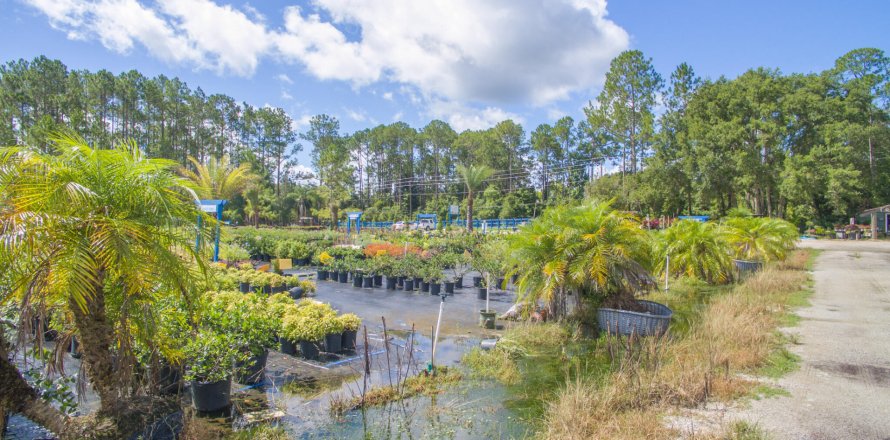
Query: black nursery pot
[
  {"x": 435, "y": 288},
  {"x": 244, "y": 287},
  {"x": 348, "y": 339},
  {"x": 368, "y": 282},
  {"x": 334, "y": 275},
  {"x": 309, "y": 350},
  {"x": 378, "y": 280},
  {"x": 211, "y": 396},
  {"x": 344, "y": 277},
  {"x": 417, "y": 281},
  {"x": 333, "y": 343},
  {"x": 296, "y": 292},
  {"x": 267, "y": 289},
  {"x": 500, "y": 283},
  {"x": 409, "y": 284},
  {"x": 477, "y": 281},
  {"x": 251, "y": 371},
  {"x": 400, "y": 282},
  {"x": 322, "y": 275},
  {"x": 391, "y": 283},
  {"x": 449, "y": 287},
  {"x": 288, "y": 346},
  {"x": 458, "y": 283},
  {"x": 481, "y": 293},
  {"x": 357, "y": 280},
  {"x": 514, "y": 278},
  {"x": 424, "y": 286}
]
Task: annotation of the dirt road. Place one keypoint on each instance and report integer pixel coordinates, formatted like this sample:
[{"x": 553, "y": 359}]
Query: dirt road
[{"x": 842, "y": 390}]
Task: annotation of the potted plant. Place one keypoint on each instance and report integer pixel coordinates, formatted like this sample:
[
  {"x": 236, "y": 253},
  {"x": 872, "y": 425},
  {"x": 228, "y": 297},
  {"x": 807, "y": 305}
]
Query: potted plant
[
  {"x": 436, "y": 283},
  {"x": 299, "y": 252},
  {"x": 210, "y": 356},
  {"x": 323, "y": 261},
  {"x": 333, "y": 331},
  {"x": 244, "y": 280},
  {"x": 277, "y": 283},
  {"x": 351, "y": 324},
  {"x": 303, "y": 328},
  {"x": 461, "y": 267},
  {"x": 250, "y": 321},
  {"x": 756, "y": 240}
]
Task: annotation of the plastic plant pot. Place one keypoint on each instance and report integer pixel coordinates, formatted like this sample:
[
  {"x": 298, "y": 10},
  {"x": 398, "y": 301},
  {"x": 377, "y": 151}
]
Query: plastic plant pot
[
  {"x": 244, "y": 287},
  {"x": 348, "y": 339},
  {"x": 481, "y": 293},
  {"x": 378, "y": 280},
  {"x": 251, "y": 371},
  {"x": 333, "y": 343},
  {"x": 409, "y": 284},
  {"x": 211, "y": 396},
  {"x": 435, "y": 288},
  {"x": 368, "y": 282},
  {"x": 449, "y": 287},
  {"x": 309, "y": 350},
  {"x": 391, "y": 283},
  {"x": 288, "y": 346},
  {"x": 322, "y": 275},
  {"x": 477, "y": 281},
  {"x": 424, "y": 286},
  {"x": 487, "y": 319},
  {"x": 357, "y": 280},
  {"x": 344, "y": 277}
]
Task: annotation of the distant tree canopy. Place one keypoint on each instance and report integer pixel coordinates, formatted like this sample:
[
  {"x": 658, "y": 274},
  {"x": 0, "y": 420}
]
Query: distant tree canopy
[{"x": 811, "y": 147}]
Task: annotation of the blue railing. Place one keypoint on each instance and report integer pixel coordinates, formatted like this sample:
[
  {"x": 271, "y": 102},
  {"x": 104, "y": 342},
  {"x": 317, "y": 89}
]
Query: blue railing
[{"x": 480, "y": 224}]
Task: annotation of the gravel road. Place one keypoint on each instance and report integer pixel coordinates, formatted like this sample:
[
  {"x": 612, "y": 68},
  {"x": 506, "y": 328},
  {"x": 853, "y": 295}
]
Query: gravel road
[{"x": 842, "y": 390}]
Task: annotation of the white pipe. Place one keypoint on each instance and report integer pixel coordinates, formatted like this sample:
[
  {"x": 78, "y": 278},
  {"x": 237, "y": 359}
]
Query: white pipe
[{"x": 436, "y": 336}]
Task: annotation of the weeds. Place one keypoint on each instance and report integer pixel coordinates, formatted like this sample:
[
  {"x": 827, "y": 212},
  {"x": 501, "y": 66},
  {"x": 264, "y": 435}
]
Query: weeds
[
  {"x": 733, "y": 333},
  {"x": 421, "y": 384}
]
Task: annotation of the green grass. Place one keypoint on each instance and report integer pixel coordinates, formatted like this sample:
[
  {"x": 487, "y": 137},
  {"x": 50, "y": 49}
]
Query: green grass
[
  {"x": 260, "y": 432},
  {"x": 780, "y": 363},
  {"x": 764, "y": 391},
  {"x": 742, "y": 430}
]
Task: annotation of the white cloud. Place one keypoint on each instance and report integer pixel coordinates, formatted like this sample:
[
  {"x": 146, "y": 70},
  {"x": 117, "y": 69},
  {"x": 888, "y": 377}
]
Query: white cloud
[
  {"x": 462, "y": 117},
  {"x": 398, "y": 116},
  {"x": 387, "y": 96},
  {"x": 286, "y": 96},
  {"x": 490, "y": 53},
  {"x": 356, "y": 115},
  {"x": 284, "y": 78}
]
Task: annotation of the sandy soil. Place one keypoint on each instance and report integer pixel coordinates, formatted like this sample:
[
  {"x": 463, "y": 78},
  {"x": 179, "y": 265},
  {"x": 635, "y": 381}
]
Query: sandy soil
[{"x": 842, "y": 390}]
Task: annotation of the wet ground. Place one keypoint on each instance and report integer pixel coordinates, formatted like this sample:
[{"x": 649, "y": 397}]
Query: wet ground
[{"x": 298, "y": 393}]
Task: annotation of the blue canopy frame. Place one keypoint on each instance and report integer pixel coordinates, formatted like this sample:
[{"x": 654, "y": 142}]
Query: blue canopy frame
[
  {"x": 210, "y": 207},
  {"x": 355, "y": 216}
]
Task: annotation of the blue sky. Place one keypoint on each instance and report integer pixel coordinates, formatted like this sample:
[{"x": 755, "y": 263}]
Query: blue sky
[{"x": 468, "y": 62}]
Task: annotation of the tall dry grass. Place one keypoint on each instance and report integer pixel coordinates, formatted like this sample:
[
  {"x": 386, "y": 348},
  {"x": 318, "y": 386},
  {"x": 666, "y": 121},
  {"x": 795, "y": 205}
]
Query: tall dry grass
[{"x": 734, "y": 334}]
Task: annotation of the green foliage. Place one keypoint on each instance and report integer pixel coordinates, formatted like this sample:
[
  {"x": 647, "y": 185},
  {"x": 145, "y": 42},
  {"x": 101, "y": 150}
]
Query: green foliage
[
  {"x": 698, "y": 250},
  {"x": 760, "y": 239},
  {"x": 592, "y": 248},
  {"x": 309, "y": 321},
  {"x": 350, "y": 321},
  {"x": 247, "y": 318},
  {"x": 210, "y": 356}
]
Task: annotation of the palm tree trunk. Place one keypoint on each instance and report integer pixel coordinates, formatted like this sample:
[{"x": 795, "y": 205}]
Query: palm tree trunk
[
  {"x": 16, "y": 395},
  {"x": 470, "y": 211},
  {"x": 96, "y": 334}
]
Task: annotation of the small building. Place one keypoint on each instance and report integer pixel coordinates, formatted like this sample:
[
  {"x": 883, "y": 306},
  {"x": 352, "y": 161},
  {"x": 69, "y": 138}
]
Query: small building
[{"x": 878, "y": 218}]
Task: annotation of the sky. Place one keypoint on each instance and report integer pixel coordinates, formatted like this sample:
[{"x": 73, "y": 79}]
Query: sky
[{"x": 471, "y": 63}]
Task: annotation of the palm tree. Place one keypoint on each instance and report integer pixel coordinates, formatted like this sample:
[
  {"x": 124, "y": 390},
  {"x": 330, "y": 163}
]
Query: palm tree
[
  {"x": 104, "y": 231},
  {"x": 473, "y": 177},
  {"x": 696, "y": 250},
  {"x": 218, "y": 179},
  {"x": 760, "y": 239},
  {"x": 592, "y": 248}
]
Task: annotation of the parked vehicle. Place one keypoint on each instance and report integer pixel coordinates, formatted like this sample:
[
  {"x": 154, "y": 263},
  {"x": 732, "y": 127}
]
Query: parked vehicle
[
  {"x": 399, "y": 226},
  {"x": 423, "y": 225}
]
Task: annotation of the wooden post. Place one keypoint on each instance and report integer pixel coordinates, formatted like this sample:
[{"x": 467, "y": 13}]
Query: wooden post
[{"x": 874, "y": 225}]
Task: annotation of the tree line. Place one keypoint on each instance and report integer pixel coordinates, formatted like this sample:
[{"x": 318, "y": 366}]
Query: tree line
[{"x": 807, "y": 147}]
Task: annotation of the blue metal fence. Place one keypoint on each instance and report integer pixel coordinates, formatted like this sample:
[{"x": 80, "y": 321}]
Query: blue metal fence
[{"x": 489, "y": 224}]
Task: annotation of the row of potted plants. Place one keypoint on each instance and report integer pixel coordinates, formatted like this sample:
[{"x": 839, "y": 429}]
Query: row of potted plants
[
  {"x": 236, "y": 332},
  {"x": 313, "y": 326}
]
